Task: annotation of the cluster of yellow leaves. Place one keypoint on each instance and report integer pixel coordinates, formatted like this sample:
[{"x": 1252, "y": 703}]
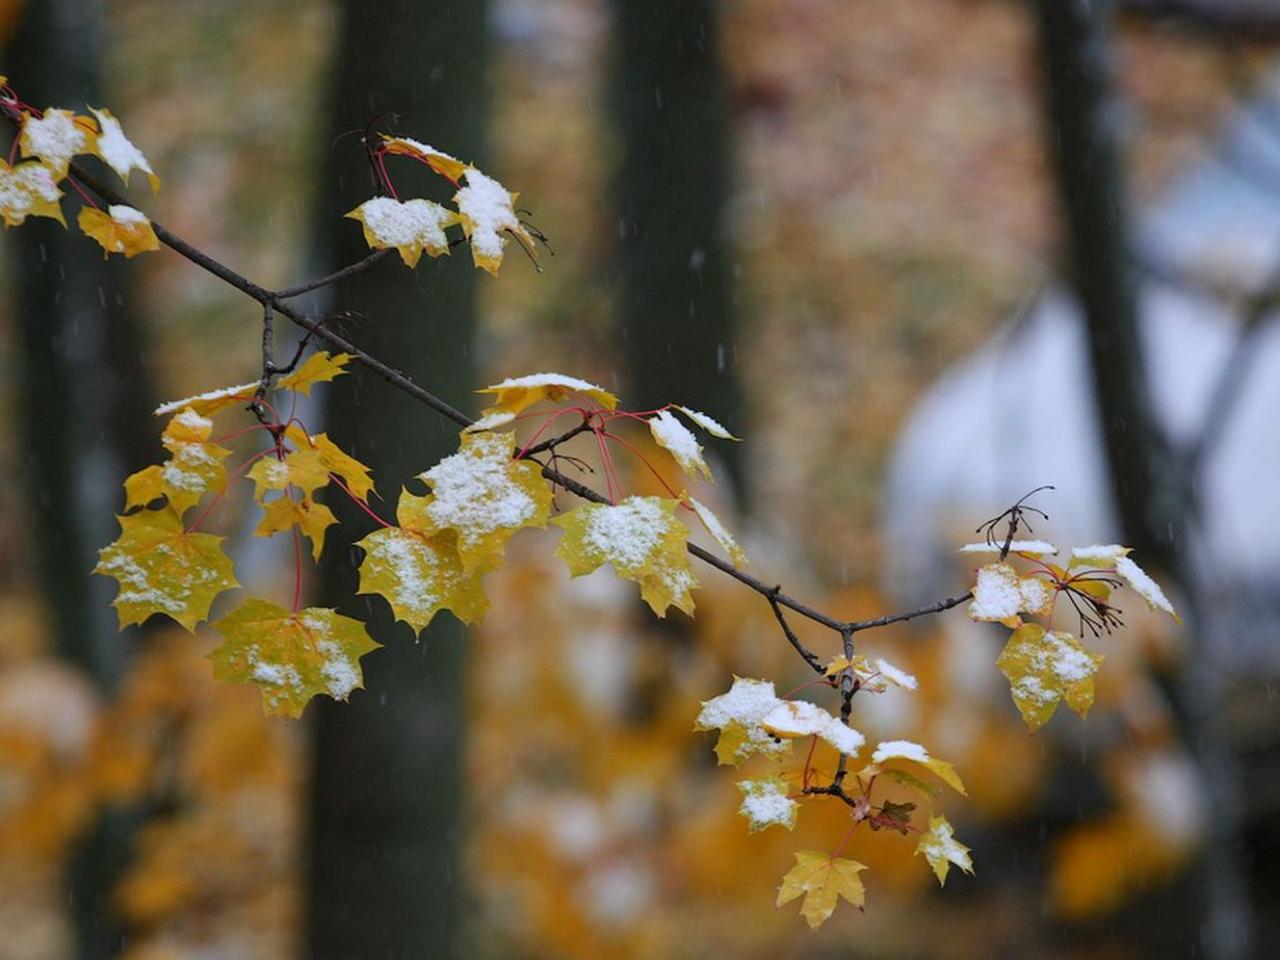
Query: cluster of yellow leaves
[
  {"x": 485, "y": 210},
  {"x": 1046, "y": 666},
  {"x": 48, "y": 143},
  {"x": 164, "y": 566}
]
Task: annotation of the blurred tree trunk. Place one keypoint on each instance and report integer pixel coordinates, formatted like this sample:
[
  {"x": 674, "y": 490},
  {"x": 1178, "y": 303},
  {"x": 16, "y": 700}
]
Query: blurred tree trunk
[
  {"x": 670, "y": 188},
  {"x": 85, "y": 413},
  {"x": 384, "y": 874},
  {"x": 1152, "y": 487}
]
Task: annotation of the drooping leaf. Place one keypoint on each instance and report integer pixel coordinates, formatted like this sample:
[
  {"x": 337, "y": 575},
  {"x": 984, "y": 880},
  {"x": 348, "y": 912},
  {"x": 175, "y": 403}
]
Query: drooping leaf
[
  {"x": 800, "y": 718},
  {"x": 923, "y": 787},
  {"x": 320, "y": 367},
  {"x": 410, "y": 227},
  {"x": 336, "y": 460},
  {"x": 56, "y": 137},
  {"x": 449, "y": 167},
  {"x": 674, "y": 437},
  {"x": 515, "y": 393},
  {"x": 485, "y": 496},
  {"x": 709, "y": 424},
  {"x": 941, "y": 849},
  {"x": 643, "y": 541},
  {"x": 1043, "y": 668},
  {"x": 117, "y": 151},
  {"x": 121, "y": 229},
  {"x": 822, "y": 880},
  {"x": 737, "y": 714},
  {"x": 890, "y": 750},
  {"x": 486, "y": 210},
  {"x": 765, "y": 804},
  {"x": 719, "y": 532},
  {"x": 29, "y": 190},
  {"x": 284, "y": 513},
  {"x": 1142, "y": 584},
  {"x": 418, "y": 571},
  {"x": 195, "y": 466},
  {"x": 292, "y": 657},
  {"x": 163, "y": 569}
]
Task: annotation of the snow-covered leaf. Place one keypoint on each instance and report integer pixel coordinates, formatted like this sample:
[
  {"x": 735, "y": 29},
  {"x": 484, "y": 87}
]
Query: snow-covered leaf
[
  {"x": 709, "y": 424},
  {"x": 449, "y": 167},
  {"x": 410, "y": 227},
  {"x": 737, "y": 714},
  {"x": 765, "y": 804},
  {"x": 997, "y": 594},
  {"x": 29, "y": 190},
  {"x": 56, "y": 138},
  {"x": 163, "y": 569},
  {"x": 1032, "y": 548},
  {"x": 906, "y": 750},
  {"x": 674, "y": 437},
  {"x": 486, "y": 210},
  {"x": 800, "y": 718},
  {"x": 941, "y": 849},
  {"x": 641, "y": 539},
  {"x": 516, "y": 393},
  {"x": 292, "y": 657},
  {"x": 120, "y": 229},
  {"x": 195, "y": 466},
  {"x": 485, "y": 496},
  {"x": 117, "y": 151},
  {"x": 418, "y": 570},
  {"x": 1043, "y": 668},
  {"x": 1145, "y": 587}
]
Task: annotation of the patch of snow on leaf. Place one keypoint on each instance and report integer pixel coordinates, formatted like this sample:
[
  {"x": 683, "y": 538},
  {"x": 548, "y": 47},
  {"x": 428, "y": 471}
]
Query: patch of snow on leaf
[
  {"x": 765, "y": 804},
  {"x": 799, "y": 718},
  {"x": 55, "y": 137},
  {"x": 242, "y": 389},
  {"x": 628, "y": 533},
  {"x": 116, "y": 149},
  {"x": 413, "y": 222},
  {"x": 709, "y": 424},
  {"x": 1100, "y": 554},
  {"x": 674, "y": 437},
  {"x": 997, "y": 594},
  {"x": 488, "y": 206},
  {"x": 1144, "y": 586},
  {"x": 534, "y": 380},
  {"x": 895, "y": 674},
  {"x": 122, "y": 213},
  {"x": 901, "y": 750},
  {"x": 719, "y": 532},
  {"x": 472, "y": 492}
]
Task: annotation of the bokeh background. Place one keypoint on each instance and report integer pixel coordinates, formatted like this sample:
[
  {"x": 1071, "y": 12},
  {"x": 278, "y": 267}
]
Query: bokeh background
[{"x": 923, "y": 256}]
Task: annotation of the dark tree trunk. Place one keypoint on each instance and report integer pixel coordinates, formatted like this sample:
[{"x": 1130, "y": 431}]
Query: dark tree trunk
[
  {"x": 1152, "y": 484},
  {"x": 674, "y": 300},
  {"x": 86, "y": 418},
  {"x": 385, "y": 792}
]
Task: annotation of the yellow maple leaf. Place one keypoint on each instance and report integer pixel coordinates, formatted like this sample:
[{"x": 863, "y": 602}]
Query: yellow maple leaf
[
  {"x": 409, "y": 227},
  {"x": 292, "y": 657},
  {"x": 643, "y": 541},
  {"x": 1045, "y": 667},
  {"x": 284, "y": 513},
  {"x": 483, "y": 495},
  {"x": 905, "y": 750},
  {"x": 942, "y": 849},
  {"x": 304, "y": 469},
  {"x": 56, "y": 137},
  {"x": 353, "y": 473},
  {"x": 117, "y": 151},
  {"x": 120, "y": 229},
  {"x": 822, "y": 880},
  {"x": 516, "y": 393},
  {"x": 439, "y": 161},
  {"x": 418, "y": 571},
  {"x": 29, "y": 190},
  {"x": 486, "y": 210},
  {"x": 674, "y": 437},
  {"x": 163, "y": 569},
  {"x": 194, "y": 469},
  {"x": 320, "y": 367}
]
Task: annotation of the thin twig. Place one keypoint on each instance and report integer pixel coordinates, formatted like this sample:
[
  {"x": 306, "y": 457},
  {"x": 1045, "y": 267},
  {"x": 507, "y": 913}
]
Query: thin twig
[
  {"x": 348, "y": 271},
  {"x": 811, "y": 658}
]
